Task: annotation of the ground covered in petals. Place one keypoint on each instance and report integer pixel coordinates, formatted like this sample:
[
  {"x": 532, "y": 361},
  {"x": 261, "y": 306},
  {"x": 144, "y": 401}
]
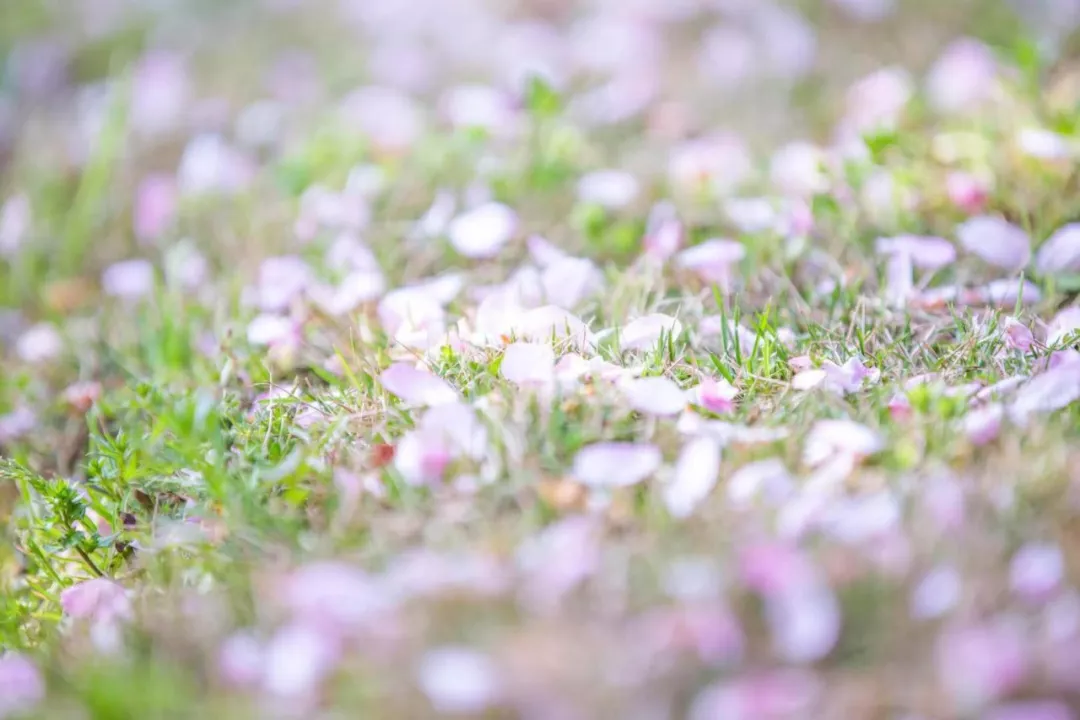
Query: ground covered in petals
[{"x": 540, "y": 359}]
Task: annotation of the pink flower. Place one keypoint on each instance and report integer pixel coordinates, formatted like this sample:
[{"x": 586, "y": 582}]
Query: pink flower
[
  {"x": 21, "y": 685},
  {"x": 1031, "y": 710},
  {"x": 100, "y": 600}
]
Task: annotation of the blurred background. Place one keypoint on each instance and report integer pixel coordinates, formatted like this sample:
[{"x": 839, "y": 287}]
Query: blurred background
[{"x": 108, "y": 106}]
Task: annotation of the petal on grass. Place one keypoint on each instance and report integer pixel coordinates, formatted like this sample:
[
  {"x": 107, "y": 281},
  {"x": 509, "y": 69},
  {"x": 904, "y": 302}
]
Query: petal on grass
[
  {"x": 528, "y": 363},
  {"x": 696, "y": 472},
  {"x": 996, "y": 240},
  {"x": 616, "y": 464},
  {"x": 483, "y": 231},
  {"x": 1061, "y": 251},
  {"x": 654, "y": 395},
  {"x": 644, "y": 332},
  {"x": 827, "y": 438},
  {"x": 415, "y": 386}
]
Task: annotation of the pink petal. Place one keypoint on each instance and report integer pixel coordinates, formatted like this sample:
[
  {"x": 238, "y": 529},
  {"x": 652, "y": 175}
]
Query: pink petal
[
  {"x": 1043, "y": 144},
  {"x": 936, "y": 594},
  {"x": 829, "y": 437},
  {"x": 805, "y": 623},
  {"x": 459, "y": 681},
  {"x": 569, "y": 281},
  {"x": 798, "y": 169},
  {"x": 416, "y": 387},
  {"x": 654, "y": 396},
  {"x": 557, "y": 560},
  {"x": 15, "y": 223},
  {"x": 272, "y": 330},
  {"x": 528, "y": 363},
  {"x": 240, "y": 661},
  {"x": 696, "y": 472},
  {"x": 1054, "y": 389},
  {"x": 719, "y": 163},
  {"x": 983, "y": 425},
  {"x": 644, "y": 332},
  {"x": 925, "y": 252},
  {"x": 664, "y": 232},
  {"x": 787, "y": 693},
  {"x": 297, "y": 661},
  {"x": 474, "y": 105},
  {"x": 713, "y": 260},
  {"x": 764, "y": 478},
  {"x": 128, "y": 279},
  {"x": 99, "y": 600},
  {"x": 281, "y": 280},
  {"x": 877, "y": 99},
  {"x": 544, "y": 323},
  {"x": 155, "y": 206},
  {"x": 808, "y": 379},
  {"x": 483, "y": 231},
  {"x": 967, "y": 192},
  {"x": 21, "y": 685},
  {"x": 39, "y": 343},
  {"x": 334, "y": 596},
  {"x": 1061, "y": 251},
  {"x": 716, "y": 395},
  {"x": 995, "y": 240},
  {"x": 1063, "y": 325},
  {"x": 1031, "y": 710},
  {"x": 1018, "y": 336},
  {"x": 752, "y": 215},
  {"x": 391, "y": 119},
  {"x": 616, "y": 464},
  {"x": 962, "y": 77},
  {"x": 542, "y": 252},
  {"x": 210, "y": 165},
  {"x": 1036, "y": 571},
  {"x": 612, "y": 189},
  {"x": 982, "y": 663}
]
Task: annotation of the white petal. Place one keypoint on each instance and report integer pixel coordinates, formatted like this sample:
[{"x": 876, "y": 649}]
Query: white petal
[
  {"x": 695, "y": 476},
  {"x": 616, "y": 464}
]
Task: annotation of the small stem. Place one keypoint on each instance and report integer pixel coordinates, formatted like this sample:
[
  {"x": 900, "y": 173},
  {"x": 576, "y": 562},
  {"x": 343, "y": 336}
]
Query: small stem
[{"x": 88, "y": 561}]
